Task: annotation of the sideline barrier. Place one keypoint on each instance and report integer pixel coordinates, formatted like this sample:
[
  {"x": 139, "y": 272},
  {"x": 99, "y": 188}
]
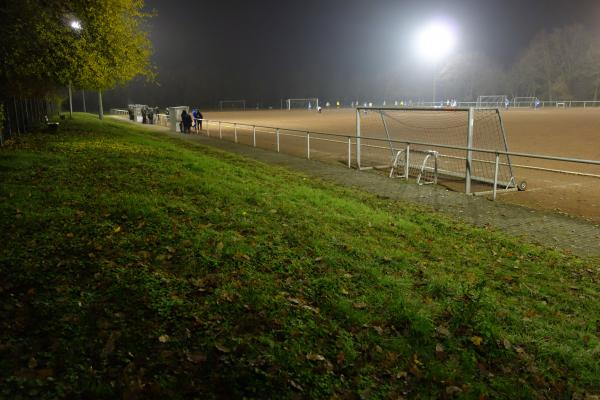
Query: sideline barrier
[{"x": 312, "y": 137}]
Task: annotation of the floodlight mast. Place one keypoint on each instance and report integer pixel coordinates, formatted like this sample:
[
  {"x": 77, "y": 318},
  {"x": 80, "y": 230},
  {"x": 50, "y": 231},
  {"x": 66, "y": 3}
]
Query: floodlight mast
[{"x": 434, "y": 43}]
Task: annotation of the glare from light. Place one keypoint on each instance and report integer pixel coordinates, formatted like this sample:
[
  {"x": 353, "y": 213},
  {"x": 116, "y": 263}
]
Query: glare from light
[
  {"x": 75, "y": 25},
  {"x": 436, "y": 40}
]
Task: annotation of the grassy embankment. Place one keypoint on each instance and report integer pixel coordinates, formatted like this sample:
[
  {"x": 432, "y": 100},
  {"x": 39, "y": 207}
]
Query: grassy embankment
[{"x": 139, "y": 265}]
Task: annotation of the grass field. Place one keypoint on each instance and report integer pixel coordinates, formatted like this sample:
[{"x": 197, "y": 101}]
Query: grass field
[
  {"x": 559, "y": 132},
  {"x": 140, "y": 266}
]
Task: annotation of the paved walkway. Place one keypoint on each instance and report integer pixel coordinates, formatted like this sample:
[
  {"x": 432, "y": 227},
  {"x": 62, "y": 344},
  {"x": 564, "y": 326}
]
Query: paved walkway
[{"x": 573, "y": 235}]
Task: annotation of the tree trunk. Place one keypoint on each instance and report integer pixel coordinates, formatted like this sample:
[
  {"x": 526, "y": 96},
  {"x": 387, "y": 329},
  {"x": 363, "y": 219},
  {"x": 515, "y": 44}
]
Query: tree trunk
[
  {"x": 70, "y": 101},
  {"x": 100, "y": 109}
]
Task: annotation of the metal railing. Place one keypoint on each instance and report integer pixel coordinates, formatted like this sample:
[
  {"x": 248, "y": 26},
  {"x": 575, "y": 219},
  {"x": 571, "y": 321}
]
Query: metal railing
[
  {"x": 312, "y": 137},
  {"x": 402, "y": 145},
  {"x": 119, "y": 111}
]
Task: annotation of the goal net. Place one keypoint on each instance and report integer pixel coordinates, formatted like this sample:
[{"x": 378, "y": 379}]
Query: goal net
[
  {"x": 436, "y": 145},
  {"x": 302, "y": 104},
  {"x": 232, "y": 105},
  {"x": 495, "y": 101},
  {"x": 524, "y": 102}
]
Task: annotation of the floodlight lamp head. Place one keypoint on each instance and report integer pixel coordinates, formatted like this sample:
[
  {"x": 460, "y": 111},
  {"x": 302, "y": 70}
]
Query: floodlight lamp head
[
  {"x": 75, "y": 25},
  {"x": 436, "y": 40}
]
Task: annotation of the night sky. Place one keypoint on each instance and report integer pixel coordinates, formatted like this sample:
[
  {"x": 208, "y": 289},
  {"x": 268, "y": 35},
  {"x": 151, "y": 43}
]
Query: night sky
[{"x": 264, "y": 50}]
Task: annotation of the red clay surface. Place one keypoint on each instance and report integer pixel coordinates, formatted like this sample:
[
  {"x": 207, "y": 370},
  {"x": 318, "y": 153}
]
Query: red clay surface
[{"x": 558, "y": 132}]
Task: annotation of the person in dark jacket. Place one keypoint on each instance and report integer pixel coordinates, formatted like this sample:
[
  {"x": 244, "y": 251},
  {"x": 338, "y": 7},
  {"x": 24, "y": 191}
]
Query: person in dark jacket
[
  {"x": 186, "y": 121},
  {"x": 200, "y": 118}
]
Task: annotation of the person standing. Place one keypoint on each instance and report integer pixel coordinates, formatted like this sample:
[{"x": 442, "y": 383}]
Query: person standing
[
  {"x": 186, "y": 120},
  {"x": 195, "y": 118},
  {"x": 199, "y": 118},
  {"x": 151, "y": 116}
]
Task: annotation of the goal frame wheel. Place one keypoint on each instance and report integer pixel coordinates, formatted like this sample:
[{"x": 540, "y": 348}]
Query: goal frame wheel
[{"x": 522, "y": 186}]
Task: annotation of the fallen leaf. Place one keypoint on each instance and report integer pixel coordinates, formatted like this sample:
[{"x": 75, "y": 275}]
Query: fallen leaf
[
  {"x": 117, "y": 229},
  {"x": 359, "y": 306},
  {"x": 222, "y": 349},
  {"x": 453, "y": 390},
  {"x": 163, "y": 338},
  {"x": 315, "y": 357},
  {"x": 296, "y": 386},
  {"x": 443, "y": 331},
  {"x": 402, "y": 375},
  {"x": 196, "y": 358},
  {"x": 476, "y": 340},
  {"x": 341, "y": 357},
  {"x": 439, "y": 349}
]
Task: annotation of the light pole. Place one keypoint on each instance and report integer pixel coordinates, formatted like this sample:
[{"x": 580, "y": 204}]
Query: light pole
[
  {"x": 75, "y": 25},
  {"x": 434, "y": 42}
]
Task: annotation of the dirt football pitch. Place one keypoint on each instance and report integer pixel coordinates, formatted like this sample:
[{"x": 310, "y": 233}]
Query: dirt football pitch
[{"x": 573, "y": 133}]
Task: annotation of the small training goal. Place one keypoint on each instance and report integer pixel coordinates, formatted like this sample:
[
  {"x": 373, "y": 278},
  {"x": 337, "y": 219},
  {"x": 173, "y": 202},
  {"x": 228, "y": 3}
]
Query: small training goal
[
  {"x": 302, "y": 104},
  {"x": 524, "y": 102},
  {"x": 494, "y": 101},
  {"x": 458, "y": 147},
  {"x": 232, "y": 105}
]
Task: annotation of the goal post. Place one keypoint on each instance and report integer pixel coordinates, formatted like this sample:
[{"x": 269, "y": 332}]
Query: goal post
[
  {"x": 493, "y": 101},
  {"x": 232, "y": 105},
  {"x": 445, "y": 143},
  {"x": 311, "y": 103}
]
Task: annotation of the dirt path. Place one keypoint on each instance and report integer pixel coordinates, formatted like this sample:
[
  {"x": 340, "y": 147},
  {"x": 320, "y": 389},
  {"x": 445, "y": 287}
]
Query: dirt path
[{"x": 549, "y": 229}]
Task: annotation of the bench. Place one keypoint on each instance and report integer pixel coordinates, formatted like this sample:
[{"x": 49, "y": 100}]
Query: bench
[{"x": 51, "y": 126}]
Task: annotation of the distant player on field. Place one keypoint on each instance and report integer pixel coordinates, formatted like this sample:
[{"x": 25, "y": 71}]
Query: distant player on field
[{"x": 506, "y": 102}]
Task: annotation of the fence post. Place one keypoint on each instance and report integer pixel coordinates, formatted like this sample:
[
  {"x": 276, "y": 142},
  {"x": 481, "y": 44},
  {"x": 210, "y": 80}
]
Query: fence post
[
  {"x": 308, "y": 145},
  {"x": 349, "y": 152},
  {"x": 358, "y": 138},
  {"x": 496, "y": 174},
  {"x": 254, "y": 135},
  {"x": 235, "y": 132},
  {"x": 277, "y": 138},
  {"x": 220, "y": 134},
  {"x": 469, "y": 160},
  {"x": 407, "y": 164}
]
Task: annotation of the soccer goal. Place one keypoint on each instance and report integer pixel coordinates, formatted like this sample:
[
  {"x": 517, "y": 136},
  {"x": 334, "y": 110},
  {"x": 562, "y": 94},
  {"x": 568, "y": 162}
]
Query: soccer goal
[
  {"x": 302, "y": 104},
  {"x": 495, "y": 101},
  {"x": 232, "y": 105},
  {"x": 524, "y": 102},
  {"x": 436, "y": 146}
]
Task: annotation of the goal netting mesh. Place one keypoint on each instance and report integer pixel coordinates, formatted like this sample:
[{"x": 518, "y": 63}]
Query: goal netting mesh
[
  {"x": 495, "y": 101},
  {"x": 232, "y": 105},
  {"x": 385, "y": 133},
  {"x": 302, "y": 104}
]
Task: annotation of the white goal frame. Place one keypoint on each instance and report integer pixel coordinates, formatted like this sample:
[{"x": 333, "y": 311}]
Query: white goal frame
[
  {"x": 492, "y": 101},
  {"x": 402, "y": 155},
  {"x": 313, "y": 101},
  {"x": 242, "y": 104}
]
